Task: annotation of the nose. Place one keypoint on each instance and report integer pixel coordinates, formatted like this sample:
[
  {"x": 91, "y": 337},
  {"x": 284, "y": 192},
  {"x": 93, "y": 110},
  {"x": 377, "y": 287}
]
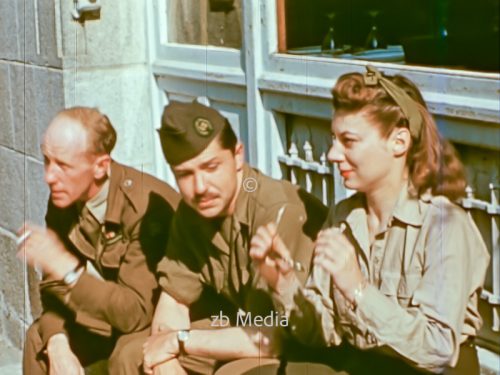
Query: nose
[
  {"x": 336, "y": 152},
  {"x": 50, "y": 175},
  {"x": 199, "y": 184}
]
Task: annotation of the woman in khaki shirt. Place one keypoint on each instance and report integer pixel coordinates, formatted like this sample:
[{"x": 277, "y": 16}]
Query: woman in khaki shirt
[{"x": 399, "y": 266}]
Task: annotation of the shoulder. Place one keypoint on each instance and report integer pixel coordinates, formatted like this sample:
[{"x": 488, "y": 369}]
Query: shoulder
[
  {"x": 441, "y": 210},
  {"x": 140, "y": 187},
  {"x": 274, "y": 192},
  {"x": 448, "y": 222}
]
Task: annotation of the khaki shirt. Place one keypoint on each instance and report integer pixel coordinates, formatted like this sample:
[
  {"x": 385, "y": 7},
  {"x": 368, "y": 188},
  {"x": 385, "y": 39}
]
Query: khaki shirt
[
  {"x": 209, "y": 252},
  {"x": 425, "y": 272}
]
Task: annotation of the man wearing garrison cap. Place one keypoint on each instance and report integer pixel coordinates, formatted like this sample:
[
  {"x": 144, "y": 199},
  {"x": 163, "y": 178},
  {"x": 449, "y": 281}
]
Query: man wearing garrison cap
[{"x": 224, "y": 202}]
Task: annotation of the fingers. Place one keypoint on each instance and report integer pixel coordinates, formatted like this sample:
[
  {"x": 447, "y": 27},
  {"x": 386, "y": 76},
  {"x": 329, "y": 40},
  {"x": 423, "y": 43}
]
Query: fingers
[{"x": 261, "y": 242}]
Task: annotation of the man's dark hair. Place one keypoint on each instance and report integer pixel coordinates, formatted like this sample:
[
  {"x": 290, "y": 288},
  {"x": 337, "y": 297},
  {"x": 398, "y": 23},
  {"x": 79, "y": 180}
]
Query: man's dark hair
[{"x": 227, "y": 138}]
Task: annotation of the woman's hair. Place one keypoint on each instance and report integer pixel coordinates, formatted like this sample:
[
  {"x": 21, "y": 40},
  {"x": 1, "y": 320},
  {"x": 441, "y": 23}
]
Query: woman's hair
[
  {"x": 101, "y": 133},
  {"x": 432, "y": 161}
]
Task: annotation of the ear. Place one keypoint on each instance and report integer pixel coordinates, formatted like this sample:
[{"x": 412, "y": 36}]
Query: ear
[
  {"x": 239, "y": 155},
  {"x": 101, "y": 166},
  {"x": 400, "y": 141}
]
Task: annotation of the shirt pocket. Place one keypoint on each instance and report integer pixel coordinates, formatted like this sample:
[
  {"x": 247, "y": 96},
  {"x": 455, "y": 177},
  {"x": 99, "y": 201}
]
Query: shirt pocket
[
  {"x": 113, "y": 252},
  {"x": 399, "y": 287}
]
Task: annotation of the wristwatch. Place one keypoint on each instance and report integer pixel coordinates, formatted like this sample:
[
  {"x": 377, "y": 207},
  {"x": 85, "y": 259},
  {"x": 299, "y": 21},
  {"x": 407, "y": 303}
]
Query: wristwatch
[{"x": 182, "y": 338}]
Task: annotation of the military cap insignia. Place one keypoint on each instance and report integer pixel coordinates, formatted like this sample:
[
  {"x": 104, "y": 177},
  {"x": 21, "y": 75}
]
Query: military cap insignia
[{"x": 203, "y": 127}]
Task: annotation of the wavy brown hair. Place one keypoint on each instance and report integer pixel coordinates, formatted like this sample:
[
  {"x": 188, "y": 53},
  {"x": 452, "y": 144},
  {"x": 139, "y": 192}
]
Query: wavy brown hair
[{"x": 432, "y": 161}]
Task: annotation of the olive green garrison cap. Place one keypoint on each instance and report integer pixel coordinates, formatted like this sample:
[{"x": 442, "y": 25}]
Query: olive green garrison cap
[{"x": 187, "y": 129}]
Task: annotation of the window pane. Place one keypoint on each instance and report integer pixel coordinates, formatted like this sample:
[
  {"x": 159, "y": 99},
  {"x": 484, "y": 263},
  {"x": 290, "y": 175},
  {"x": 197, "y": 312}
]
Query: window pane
[
  {"x": 451, "y": 33},
  {"x": 205, "y": 22}
]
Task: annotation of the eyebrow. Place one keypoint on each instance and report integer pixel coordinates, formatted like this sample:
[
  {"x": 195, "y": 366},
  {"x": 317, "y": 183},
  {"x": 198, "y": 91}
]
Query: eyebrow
[
  {"x": 209, "y": 161},
  {"x": 202, "y": 165}
]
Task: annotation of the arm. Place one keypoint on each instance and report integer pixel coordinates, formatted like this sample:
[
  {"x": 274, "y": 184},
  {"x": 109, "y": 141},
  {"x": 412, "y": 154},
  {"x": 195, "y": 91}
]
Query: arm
[
  {"x": 223, "y": 344},
  {"x": 127, "y": 304},
  {"x": 428, "y": 331},
  {"x": 310, "y": 309}
]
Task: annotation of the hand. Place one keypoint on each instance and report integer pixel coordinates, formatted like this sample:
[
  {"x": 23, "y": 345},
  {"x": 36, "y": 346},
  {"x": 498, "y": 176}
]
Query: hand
[
  {"x": 335, "y": 254},
  {"x": 159, "y": 348},
  {"x": 269, "y": 254},
  {"x": 62, "y": 361},
  {"x": 160, "y": 318},
  {"x": 43, "y": 249}
]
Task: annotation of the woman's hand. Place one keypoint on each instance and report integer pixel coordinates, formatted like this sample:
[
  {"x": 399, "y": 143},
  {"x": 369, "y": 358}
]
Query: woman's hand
[
  {"x": 272, "y": 257},
  {"x": 335, "y": 254},
  {"x": 158, "y": 348}
]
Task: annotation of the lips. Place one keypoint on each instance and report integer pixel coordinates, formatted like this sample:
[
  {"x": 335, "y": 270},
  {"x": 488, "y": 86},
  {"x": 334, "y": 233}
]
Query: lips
[
  {"x": 345, "y": 173},
  {"x": 206, "y": 202}
]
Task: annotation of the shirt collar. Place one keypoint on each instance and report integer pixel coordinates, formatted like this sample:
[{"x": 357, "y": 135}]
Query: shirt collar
[
  {"x": 98, "y": 204},
  {"x": 408, "y": 208}
]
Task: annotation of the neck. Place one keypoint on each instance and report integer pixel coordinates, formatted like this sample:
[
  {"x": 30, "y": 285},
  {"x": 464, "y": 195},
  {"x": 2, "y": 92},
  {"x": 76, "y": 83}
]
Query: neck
[
  {"x": 95, "y": 189},
  {"x": 381, "y": 201}
]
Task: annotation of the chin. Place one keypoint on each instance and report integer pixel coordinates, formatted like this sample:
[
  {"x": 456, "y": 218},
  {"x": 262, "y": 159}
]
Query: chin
[
  {"x": 210, "y": 212},
  {"x": 61, "y": 200},
  {"x": 61, "y": 203}
]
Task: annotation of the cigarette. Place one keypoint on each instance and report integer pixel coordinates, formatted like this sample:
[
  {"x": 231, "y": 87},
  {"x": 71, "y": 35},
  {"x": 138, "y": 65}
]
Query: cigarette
[
  {"x": 297, "y": 266},
  {"x": 23, "y": 237}
]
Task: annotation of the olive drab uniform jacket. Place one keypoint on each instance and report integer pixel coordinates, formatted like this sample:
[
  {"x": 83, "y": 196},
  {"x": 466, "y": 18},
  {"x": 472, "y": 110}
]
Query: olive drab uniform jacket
[
  {"x": 213, "y": 253},
  {"x": 121, "y": 296}
]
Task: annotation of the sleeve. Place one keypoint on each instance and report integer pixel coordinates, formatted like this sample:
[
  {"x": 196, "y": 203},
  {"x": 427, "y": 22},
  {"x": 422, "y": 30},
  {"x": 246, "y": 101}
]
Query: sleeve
[
  {"x": 310, "y": 309},
  {"x": 428, "y": 331},
  {"x": 54, "y": 315},
  {"x": 178, "y": 272}
]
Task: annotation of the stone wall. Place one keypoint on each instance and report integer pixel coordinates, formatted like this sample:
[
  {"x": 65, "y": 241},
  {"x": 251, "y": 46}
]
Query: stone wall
[{"x": 49, "y": 62}]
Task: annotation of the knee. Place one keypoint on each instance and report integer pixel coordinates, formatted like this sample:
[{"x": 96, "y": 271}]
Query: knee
[
  {"x": 33, "y": 340},
  {"x": 126, "y": 358},
  {"x": 33, "y": 361}
]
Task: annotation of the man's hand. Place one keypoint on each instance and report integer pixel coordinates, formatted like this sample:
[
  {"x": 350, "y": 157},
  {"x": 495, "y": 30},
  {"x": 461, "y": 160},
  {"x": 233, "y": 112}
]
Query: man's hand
[
  {"x": 43, "y": 249},
  {"x": 335, "y": 254},
  {"x": 270, "y": 255},
  {"x": 159, "y": 348},
  {"x": 62, "y": 361}
]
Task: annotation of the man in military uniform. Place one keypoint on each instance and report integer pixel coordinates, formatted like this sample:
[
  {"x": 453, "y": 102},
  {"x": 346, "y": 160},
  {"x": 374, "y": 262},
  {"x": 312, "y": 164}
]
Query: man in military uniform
[
  {"x": 224, "y": 202},
  {"x": 107, "y": 227}
]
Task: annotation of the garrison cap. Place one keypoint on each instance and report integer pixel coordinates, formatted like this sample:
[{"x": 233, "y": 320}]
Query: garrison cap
[{"x": 187, "y": 129}]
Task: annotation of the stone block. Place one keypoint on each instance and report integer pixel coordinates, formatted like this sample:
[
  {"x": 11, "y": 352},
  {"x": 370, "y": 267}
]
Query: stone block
[
  {"x": 13, "y": 199},
  {"x": 10, "y": 46},
  {"x": 41, "y": 38},
  {"x": 14, "y": 328},
  {"x": 116, "y": 37},
  {"x": 124, "y": 95},
  {"x": 13, "y": 282},
  {"x": 37, "y": 192},
  {"x": 6, "y": 127},
  {"x": 37, "y": 96}
]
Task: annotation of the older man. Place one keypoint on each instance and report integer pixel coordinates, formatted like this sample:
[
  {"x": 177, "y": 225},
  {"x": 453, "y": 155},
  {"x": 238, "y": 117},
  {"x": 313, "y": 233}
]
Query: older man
[
  {"x": 224, "y": 202},
  {"x": 107, "y": 226}
]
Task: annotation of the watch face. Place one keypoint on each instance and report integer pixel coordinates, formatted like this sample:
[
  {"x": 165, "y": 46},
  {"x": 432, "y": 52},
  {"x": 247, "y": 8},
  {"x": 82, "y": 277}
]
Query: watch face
[{"x": 183, "y": 335}]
